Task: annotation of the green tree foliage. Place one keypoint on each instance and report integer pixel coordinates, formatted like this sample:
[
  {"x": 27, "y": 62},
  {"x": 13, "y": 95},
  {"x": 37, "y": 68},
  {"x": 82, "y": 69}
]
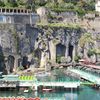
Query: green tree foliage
[
  {"x": 58, "y": 59},
  {"x": 81, "y": 6},
  {"x": 21, "y": 3},
  {"x": 76, "y": 58},
  {"x": 2, "y": 4},
  {"x": 91, "y": 52},
  {"x": 11, "y": 3},
  {"x": 86, "y": 38}
]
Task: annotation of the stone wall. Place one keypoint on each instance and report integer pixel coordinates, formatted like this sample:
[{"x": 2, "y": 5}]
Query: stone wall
[{"x": 30, "y": 18}]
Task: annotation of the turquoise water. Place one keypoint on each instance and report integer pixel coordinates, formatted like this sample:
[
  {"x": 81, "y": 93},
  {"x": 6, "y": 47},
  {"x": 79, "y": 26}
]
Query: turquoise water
[
  {"x": 57, "y": 76},
  {"x": 86, "y": 93}
]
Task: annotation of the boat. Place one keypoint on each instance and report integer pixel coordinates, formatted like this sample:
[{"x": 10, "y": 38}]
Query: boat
[
  {"x": 47, "y": 90},
  {"x": 25, "y": 91}
]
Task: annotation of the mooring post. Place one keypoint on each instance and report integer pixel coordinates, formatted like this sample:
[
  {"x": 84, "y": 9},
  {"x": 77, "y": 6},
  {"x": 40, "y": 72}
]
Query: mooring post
[{"x": 36, "y": 87}]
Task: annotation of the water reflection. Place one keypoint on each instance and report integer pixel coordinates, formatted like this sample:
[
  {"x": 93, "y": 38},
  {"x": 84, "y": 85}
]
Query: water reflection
[
  {"x": 56, "y": 75},
  {"x": 85, "y": 94}
]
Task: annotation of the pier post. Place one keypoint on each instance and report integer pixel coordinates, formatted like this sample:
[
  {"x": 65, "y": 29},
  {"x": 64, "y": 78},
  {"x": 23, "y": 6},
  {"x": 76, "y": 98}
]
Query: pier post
[{"x": 36, "y": 87}]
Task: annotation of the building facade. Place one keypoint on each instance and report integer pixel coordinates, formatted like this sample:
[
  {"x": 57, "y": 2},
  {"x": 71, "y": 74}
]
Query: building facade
[{"x": 17, "y": 16}]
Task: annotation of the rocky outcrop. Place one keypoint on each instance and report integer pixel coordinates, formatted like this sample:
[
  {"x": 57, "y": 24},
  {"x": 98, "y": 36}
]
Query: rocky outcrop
[{"x": 40, "y": 45}]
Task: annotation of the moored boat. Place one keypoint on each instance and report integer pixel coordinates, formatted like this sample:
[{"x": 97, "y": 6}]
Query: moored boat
[{"x": 47, "y": 90}]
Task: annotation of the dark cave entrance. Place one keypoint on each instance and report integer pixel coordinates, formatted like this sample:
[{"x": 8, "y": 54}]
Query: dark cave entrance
[
  {"x": 60, "y": 52},
  {"x": 25, "y": 62},
  {"x": 70, "y": 51},
  {"x": 11, "y": 61},
  {"x": 37, "y": 53}
]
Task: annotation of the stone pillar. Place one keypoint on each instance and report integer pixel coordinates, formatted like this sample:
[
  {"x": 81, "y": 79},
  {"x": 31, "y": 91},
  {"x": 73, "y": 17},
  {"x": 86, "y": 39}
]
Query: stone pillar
[
  {"x": 52, "y": 51},
  {"x": 1, "y": 10},
  {"x": 43, "y": 60},
  {"x": 75, "y": 47},
  {"x": 36, "y": 87},
  {"x": 67, "y": 47},
  {"x": 73, "y": 53},
  {"x": 66, "y": 52},
  {"x": 15, "y": 64},
  {"x": 86, "y": 50}
]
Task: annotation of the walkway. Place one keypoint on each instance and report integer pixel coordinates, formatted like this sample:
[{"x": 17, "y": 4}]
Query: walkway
[
  {"x": 56, "y": 84},
  {"x": 31, "y": 81},
  {"x": 87, "y": 76},
  {"x": 91, "y": 66}
]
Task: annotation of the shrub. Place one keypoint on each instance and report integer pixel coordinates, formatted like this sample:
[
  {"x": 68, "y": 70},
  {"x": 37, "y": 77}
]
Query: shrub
[
  {"x": 2, "y": 4},
  {"x": 63, "y": 60},
  {"x": 76, "y": 58},
  {"x": 91, "y": 52},
  {"x": 81, "y": 12},
  {"x": 58, "y": 59}
]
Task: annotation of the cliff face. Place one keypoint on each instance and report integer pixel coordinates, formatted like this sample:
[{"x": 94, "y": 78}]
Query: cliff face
[
  {"x": 23, "y": 44},
  {"x": 43, "y": 43}
]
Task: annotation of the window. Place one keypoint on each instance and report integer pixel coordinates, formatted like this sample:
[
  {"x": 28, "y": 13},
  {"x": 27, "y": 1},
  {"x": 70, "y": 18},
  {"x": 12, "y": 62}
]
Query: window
[
  {"x": 1, "y": 18},
  {"x": 8, "y": 19}
]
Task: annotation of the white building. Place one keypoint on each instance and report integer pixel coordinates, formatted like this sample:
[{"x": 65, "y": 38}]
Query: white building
[{"x": 97, "y": 6}]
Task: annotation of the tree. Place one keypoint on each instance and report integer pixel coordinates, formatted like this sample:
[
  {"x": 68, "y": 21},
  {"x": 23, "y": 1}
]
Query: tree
[
  {"x": 2, "y": 4},
  {"x": 85, "y": 39},
  {"x": 30, "y": 4},
  {"x": 11, "y": 3},
  {"x": 21, "y": 3}
]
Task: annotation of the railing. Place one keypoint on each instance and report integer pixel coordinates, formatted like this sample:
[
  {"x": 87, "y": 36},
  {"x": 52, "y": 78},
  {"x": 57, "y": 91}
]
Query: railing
[
  {"x": 87, "y": 76},
  {"x": 26, "y": 78}
]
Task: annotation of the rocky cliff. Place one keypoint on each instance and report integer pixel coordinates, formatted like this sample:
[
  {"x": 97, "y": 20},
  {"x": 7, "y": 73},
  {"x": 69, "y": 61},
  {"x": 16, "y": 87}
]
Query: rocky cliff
[{"x": 25, "y": 45}]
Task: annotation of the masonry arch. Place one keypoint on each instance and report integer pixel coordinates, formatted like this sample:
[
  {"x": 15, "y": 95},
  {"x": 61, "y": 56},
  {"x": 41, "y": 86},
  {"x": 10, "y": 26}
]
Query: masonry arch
[
  {"x": 11, "y": 61},
  {"x": 60, "y": 51}
]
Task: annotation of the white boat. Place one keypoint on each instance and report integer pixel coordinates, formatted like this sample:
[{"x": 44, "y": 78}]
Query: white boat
[
  {"x": 47, "y": 90},
  {"x": 26, "y": 91}
]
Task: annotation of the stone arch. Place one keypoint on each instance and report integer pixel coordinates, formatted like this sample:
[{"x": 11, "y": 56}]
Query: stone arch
[
  {"x": 70, "y": 50},
  {"x": 19, "y": 62},
  {"x": 60, "y": 50},
  {"x": 11, "y": 60},
  {"x": 37, "y": 53},
  {"x": 25, "y": 62}
]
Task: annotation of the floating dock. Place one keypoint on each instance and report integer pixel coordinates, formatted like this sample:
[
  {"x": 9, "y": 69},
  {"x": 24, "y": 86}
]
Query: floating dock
[{"x": 31, "y": 81}]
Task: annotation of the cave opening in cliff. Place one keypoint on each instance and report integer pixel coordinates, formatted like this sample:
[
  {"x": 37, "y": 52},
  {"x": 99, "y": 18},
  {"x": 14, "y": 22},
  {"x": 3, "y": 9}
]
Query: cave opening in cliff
[
  {"x": 60, "y": 52},
  {"x": 25, "y": 62},
  {"x": 2, "y": 62},
  {"x": 70, "y": 51},
  {"x": 11, "y": 60},
  {"x": 37, "y": 53}
]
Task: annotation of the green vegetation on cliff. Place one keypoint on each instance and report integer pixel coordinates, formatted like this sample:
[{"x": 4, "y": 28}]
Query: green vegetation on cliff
[
  {"x": 79, "y": 6},
  {"x": 75, "y": 26}
]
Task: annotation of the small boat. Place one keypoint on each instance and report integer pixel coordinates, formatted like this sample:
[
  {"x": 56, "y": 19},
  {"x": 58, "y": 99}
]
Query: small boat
[
  {"x": 47, "y": 90},
  {"x": 25, "y": 91}
]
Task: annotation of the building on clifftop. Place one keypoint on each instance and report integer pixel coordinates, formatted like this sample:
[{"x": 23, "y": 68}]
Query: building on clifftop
[
  {"x": 97, "y": 6},
  {"x": 17, "y": 16}
]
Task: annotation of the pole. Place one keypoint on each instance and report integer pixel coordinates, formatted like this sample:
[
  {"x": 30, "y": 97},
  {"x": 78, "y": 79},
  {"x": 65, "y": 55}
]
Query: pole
[{"x": 71, "y": 93}]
